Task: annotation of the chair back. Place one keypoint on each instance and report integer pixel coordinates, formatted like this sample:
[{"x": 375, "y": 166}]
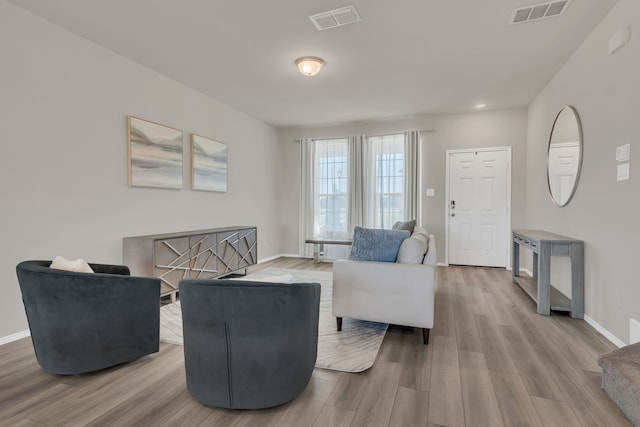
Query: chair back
[
  {"x": 83, "y": 322},
  {"x": 248, "y": 345}
]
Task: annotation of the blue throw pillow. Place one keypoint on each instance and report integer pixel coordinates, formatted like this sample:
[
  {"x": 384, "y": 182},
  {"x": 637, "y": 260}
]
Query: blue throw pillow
[{"x": 371, "y": 244}]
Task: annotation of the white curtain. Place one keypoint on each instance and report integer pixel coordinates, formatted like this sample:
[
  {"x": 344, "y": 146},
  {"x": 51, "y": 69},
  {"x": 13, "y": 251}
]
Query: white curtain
[
  {"x": 369, "y": 184},
  {"x": 357, "y": 149},
  {"x": 307, "y": 192},
  {"x": 412, "y": 142},
  {"x": 384, "y": 186},
  {"x": 366, "y": 207}
]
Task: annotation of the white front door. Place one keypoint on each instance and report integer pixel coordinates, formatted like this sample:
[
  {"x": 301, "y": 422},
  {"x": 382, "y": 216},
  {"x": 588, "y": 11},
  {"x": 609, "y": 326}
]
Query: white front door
[{"x": 478, "y": 207}]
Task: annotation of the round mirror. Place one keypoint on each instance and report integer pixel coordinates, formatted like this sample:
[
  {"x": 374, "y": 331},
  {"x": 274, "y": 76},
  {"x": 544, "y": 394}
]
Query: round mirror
[{"x": 564, "y": 157}]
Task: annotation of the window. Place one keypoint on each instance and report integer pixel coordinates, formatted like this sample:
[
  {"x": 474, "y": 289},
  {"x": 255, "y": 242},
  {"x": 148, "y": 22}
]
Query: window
[
  {"x": 387, "y": 197},
  {"x": 331, "y": 188},
  {"x": 356, "y": 181}
]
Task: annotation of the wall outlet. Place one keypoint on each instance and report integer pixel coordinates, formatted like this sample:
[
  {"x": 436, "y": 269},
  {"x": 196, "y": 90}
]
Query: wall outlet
[
  {"x": 623, "y": 172},
  {"x": 634, "y": 331},
  {"x": 431, "y": 192}
]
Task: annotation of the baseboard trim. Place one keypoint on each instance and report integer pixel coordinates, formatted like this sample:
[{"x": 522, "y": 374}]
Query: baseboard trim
[
  {"x": 15, "y": 337},
  {"x": 271, "y": 258},
  {"x": 296, "y": 256},
  {"x": 267, "y": 259},
  {"x": 608, "y": 335}
]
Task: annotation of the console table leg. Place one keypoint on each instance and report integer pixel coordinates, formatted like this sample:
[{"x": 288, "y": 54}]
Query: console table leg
[
  {"x": 577, "y": 281},
  {"x": 515, "y": 258},
  {"x": 544, "y": 279}
]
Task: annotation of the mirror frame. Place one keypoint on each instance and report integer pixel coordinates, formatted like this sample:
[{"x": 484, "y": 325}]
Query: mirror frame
[{"x": 575, "y": 184}]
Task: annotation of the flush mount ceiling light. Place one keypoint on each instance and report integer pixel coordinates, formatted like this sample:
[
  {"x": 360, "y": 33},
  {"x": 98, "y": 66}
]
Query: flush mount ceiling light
[
  {"x": 309, "y": 65},
  {"x": 480, "y": 106}
]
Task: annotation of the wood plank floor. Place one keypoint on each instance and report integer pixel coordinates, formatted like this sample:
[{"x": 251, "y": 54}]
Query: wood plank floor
[{"x": 491, "y": 361}]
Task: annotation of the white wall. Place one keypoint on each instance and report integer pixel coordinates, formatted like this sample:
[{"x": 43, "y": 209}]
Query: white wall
[
  {"x": 475, "y": 130},
  {"x": 604, "y": 213},
  {"x": 63, "y": 108}
]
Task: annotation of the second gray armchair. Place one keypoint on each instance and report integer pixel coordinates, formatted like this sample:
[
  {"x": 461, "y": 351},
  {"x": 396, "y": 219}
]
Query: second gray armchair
[{"x": 248, "y": 345}]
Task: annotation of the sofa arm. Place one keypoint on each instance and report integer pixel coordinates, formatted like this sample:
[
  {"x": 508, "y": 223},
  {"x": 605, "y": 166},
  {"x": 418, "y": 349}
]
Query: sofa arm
[{"x": 395, "y": 293}]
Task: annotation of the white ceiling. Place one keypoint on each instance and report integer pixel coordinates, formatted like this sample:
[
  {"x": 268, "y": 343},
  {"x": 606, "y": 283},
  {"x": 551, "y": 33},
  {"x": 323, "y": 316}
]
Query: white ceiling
[{"x": 406, "y": 57}]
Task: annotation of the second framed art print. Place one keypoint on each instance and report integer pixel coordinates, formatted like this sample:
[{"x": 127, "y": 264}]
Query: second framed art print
[{"x": 208, "y": 164}]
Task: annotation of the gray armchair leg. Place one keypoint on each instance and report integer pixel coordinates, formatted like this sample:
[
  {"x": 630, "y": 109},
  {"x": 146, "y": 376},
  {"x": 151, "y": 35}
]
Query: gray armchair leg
[
  {"x": 425, "y": 335},
  {"x": 339, "y": 323}
]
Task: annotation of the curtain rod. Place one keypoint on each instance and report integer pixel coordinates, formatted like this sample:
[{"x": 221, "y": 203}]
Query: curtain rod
[{"x": 432, "y": 130}]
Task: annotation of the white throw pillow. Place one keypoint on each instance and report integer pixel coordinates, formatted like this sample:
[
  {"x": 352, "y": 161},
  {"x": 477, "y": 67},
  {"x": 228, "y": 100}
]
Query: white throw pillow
[
  {"x": 76, "y": 265},
  {"x": 412, "y": 250},
  {"x": 420, "y": 231}
]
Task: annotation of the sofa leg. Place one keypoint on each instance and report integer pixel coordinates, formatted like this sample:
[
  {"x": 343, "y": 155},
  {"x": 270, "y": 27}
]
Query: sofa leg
[
  {"x": 339, "y": 323},
  {"x": 425, "y": 336}
]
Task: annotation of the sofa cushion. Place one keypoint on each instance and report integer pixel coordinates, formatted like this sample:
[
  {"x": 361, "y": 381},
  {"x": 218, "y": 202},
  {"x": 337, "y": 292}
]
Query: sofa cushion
[
  {"x": 413, "y": 249},
  {"x": 405, "y": 225},
  {"x": 370, "y": 244}
]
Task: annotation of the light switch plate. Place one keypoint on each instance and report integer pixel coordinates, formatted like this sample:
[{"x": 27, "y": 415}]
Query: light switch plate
[
  {"x": 623, "y": 172},
  {"x": 623, "y": 153},
  {"x": 431, "y": 192}
]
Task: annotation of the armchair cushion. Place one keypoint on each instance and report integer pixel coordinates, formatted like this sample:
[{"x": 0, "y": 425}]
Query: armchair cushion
[{"x": 371, "y": 244}]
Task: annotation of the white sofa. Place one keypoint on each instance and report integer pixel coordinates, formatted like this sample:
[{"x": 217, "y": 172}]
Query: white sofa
[{"x": 400, "y": 293}]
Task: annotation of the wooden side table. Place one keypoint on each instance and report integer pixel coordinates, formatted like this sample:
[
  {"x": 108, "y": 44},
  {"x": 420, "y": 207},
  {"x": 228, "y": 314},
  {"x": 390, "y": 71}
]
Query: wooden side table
[
  {"x": 318, "y": 246},
  {"x": 543, "y": 245}
]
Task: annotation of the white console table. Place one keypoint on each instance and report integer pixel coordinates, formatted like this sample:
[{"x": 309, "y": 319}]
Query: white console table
[{"x": 543, "y": 245}]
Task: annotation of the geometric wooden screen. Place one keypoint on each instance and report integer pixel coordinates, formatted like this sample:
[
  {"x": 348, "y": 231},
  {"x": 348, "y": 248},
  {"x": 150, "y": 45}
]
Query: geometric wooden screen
[{"x": 202, "y": 254}]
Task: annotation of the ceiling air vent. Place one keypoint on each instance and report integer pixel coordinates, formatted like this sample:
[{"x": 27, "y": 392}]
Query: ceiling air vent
[
  {"x": 335, "y": 18},
  {"x": 539, "y": 11}
]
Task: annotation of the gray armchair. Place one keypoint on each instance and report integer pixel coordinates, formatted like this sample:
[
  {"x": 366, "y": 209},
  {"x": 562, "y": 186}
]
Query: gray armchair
[
  {"x": 248, "y": 345},
  {"x": 83, "y": 322}
]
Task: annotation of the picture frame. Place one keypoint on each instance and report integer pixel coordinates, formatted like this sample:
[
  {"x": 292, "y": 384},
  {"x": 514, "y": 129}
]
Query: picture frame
[
  {"x": 209, "y": 163},
  {"x": 155, "y": 154}
]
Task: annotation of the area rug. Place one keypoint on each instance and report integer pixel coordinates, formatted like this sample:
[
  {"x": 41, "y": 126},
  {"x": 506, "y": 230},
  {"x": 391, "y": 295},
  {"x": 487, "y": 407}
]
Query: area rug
[{"x": 354, "y": 349}]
